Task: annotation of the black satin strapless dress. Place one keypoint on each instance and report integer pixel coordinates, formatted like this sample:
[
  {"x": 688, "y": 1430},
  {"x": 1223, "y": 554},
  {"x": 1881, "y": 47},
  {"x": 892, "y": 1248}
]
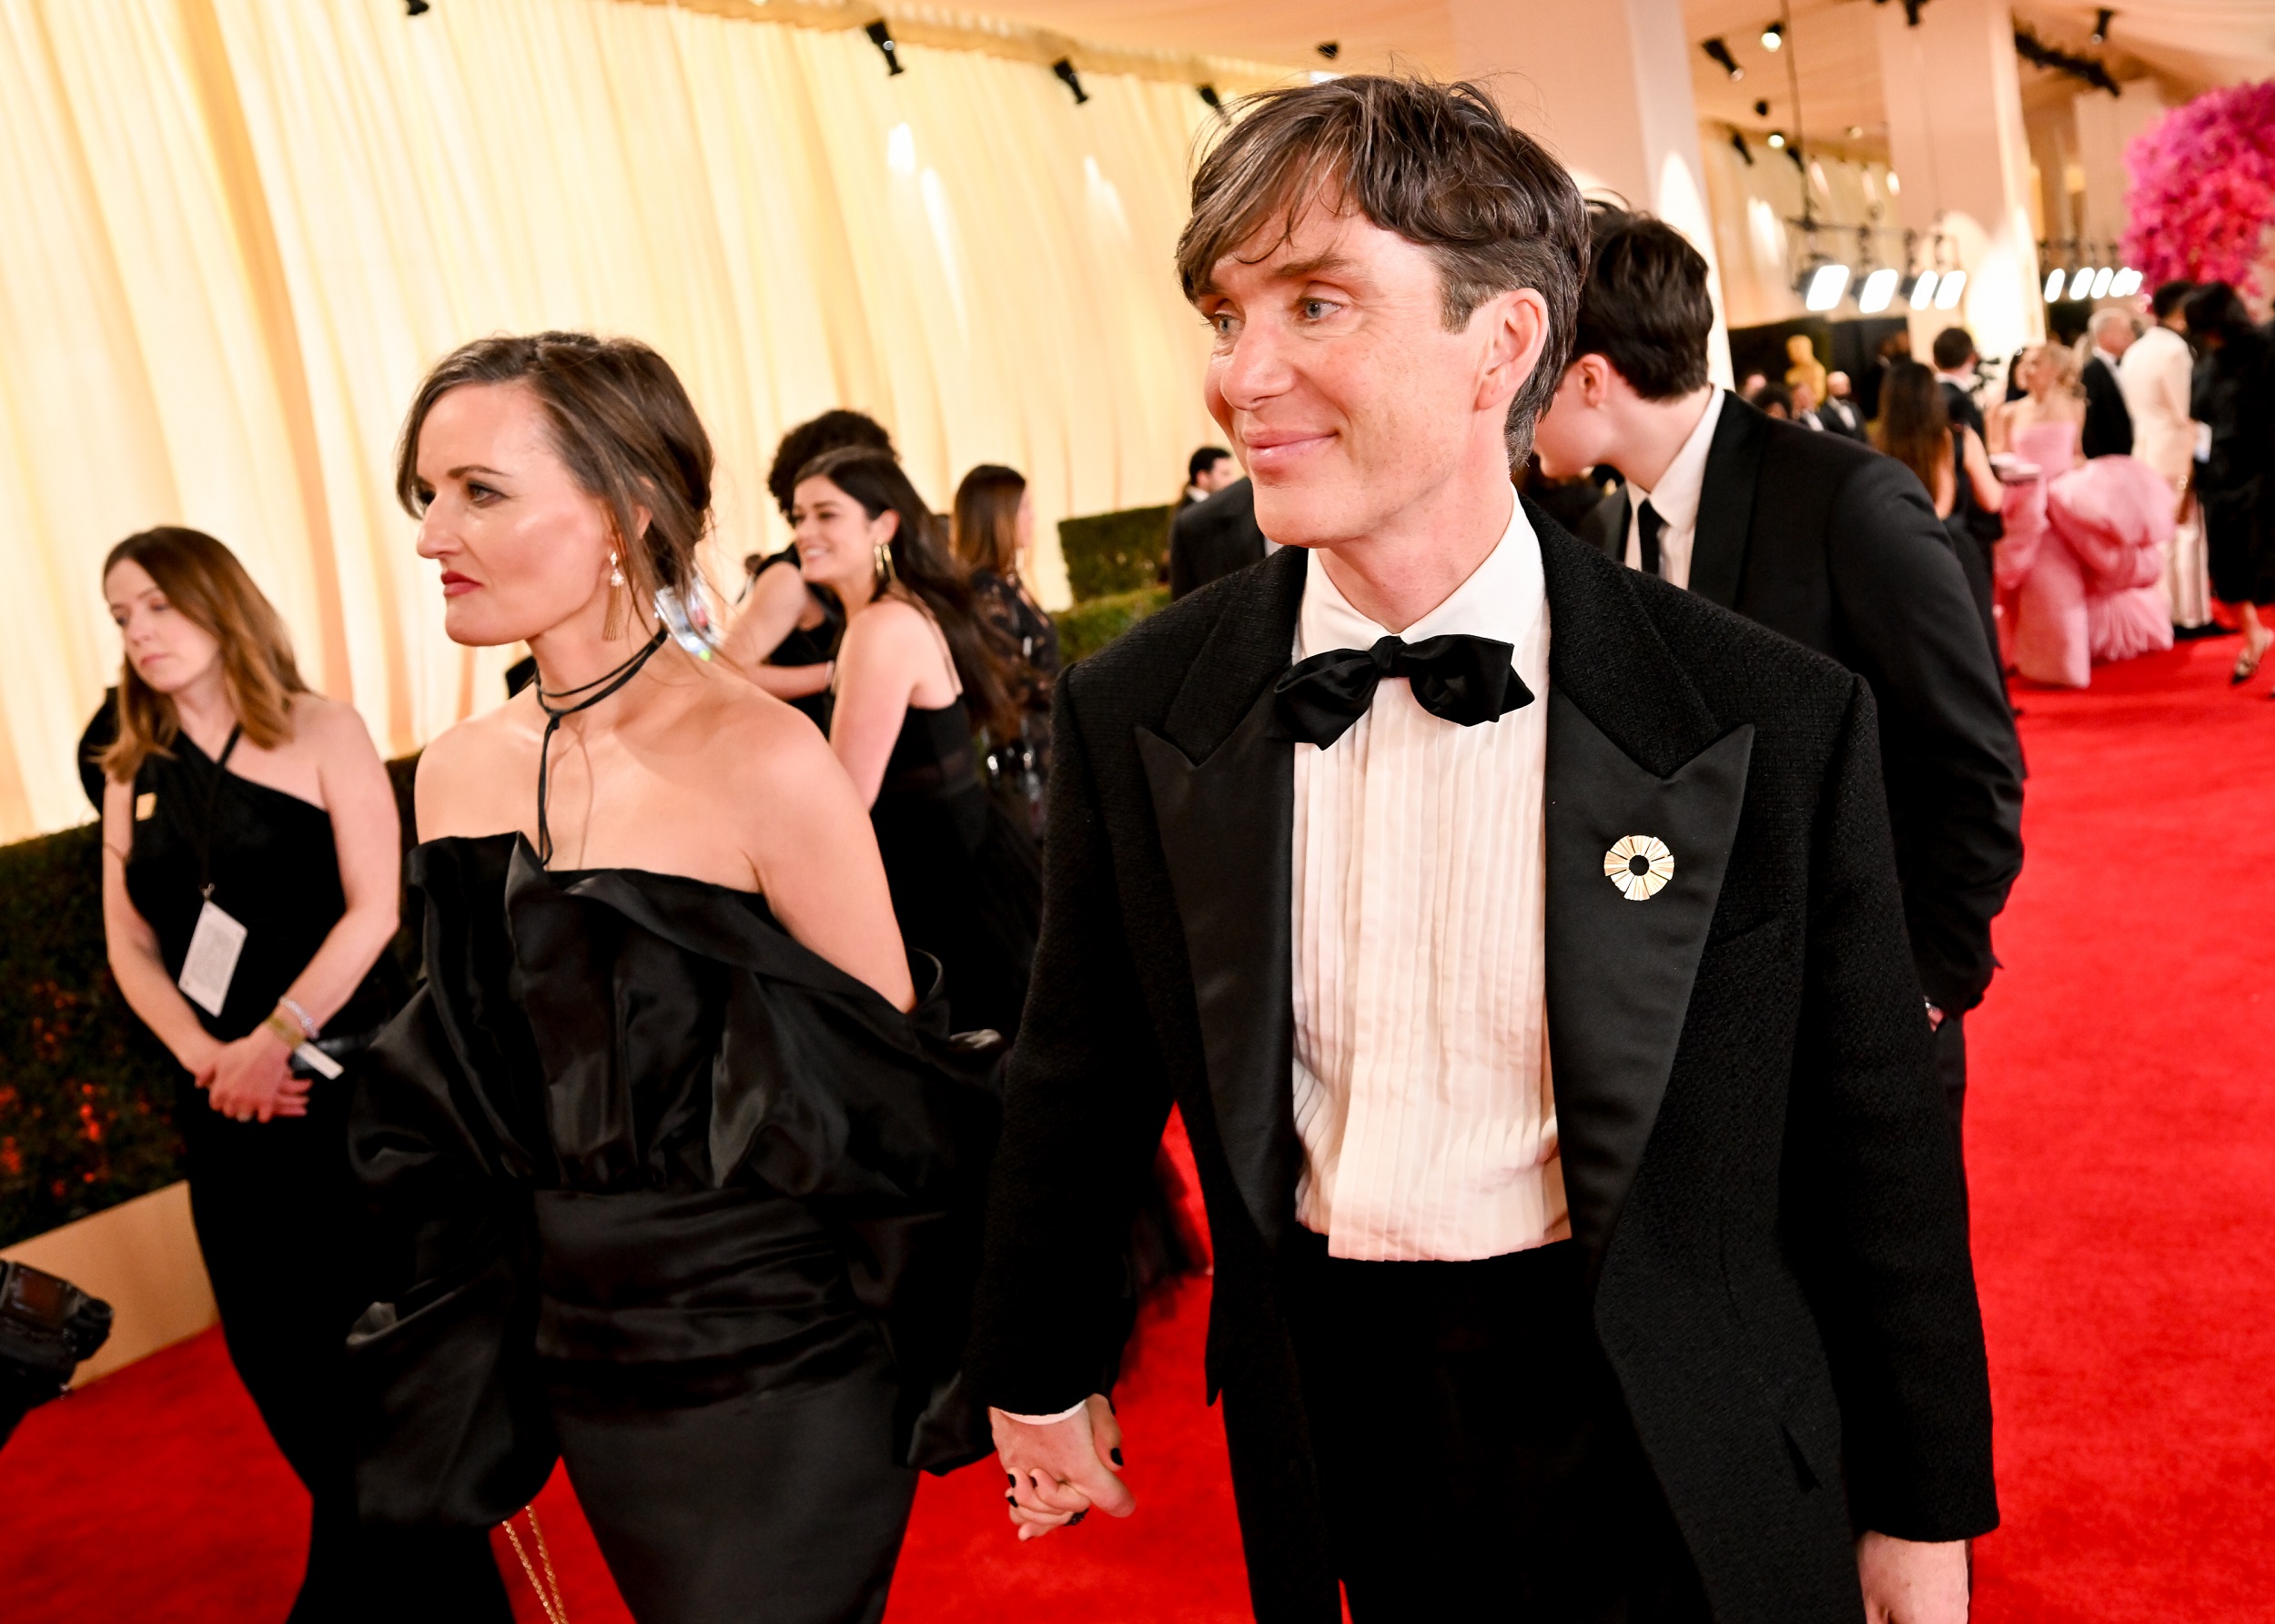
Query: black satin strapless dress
[{"x": 684, "y": 1204}]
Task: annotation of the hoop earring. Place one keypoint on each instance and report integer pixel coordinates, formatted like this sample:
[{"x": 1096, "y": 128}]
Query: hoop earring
[{"x": 618, "y": 601}]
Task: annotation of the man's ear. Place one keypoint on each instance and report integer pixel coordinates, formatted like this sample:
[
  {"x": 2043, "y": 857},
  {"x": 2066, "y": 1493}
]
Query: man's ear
[{"x": 1516, "y": 335}]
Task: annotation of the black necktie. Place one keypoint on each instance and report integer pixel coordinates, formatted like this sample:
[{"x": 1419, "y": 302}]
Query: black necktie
[
  {"x": 1464, "y": 679},
  {"x": 1648, "y": 524}
]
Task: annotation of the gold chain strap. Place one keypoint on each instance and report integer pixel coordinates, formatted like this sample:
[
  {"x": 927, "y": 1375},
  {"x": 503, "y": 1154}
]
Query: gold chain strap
[{"x": 548, "y": 1596}]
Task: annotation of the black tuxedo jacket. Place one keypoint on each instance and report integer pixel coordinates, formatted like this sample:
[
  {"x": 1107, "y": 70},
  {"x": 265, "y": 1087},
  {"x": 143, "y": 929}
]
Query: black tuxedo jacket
[
  {"x": 1838, "y": 547},
  {"x": 1755, "y": 1152},
  {"x": 2108, "y": 431},
  {"x": 1212, "y": 539},
  {"x": 1961, "y": 406}
]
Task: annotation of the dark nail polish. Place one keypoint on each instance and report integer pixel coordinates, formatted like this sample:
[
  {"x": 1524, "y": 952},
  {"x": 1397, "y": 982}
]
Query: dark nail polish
[
  {"x": 1077, "y": 1518},
  {"x": 1010, "y": 1499},
  {"x": 1117, "y": 1454},
  {"x": 1012, "y": 1478}
]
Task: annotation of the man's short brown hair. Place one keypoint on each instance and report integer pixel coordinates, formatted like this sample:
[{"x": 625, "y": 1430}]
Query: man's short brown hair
[{"x": 1437, "y": 164}]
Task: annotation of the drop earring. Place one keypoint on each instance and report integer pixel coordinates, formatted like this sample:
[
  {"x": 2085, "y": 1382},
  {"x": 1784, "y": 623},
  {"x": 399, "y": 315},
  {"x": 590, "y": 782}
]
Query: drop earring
[
  {"x": 613, "y": 625},
  {"x": 883, "y": 565}
]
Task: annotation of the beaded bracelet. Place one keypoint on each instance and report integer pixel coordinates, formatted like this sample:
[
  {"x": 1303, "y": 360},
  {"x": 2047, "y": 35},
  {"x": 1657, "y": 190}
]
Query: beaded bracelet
[{"x": 308, "y": 1024}]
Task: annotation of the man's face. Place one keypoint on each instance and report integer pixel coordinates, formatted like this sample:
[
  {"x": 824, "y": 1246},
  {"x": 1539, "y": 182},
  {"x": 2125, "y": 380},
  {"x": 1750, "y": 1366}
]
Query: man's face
[
  {"x": 1336, "y": 381},
  {"x": 1218, "y": 474},
  {"x": 2115, "y": 337}
]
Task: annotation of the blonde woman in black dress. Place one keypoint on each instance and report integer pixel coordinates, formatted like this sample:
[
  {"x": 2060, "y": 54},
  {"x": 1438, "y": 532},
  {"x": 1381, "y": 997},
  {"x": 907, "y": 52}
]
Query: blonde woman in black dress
[{"x": 690, "y": 1163}]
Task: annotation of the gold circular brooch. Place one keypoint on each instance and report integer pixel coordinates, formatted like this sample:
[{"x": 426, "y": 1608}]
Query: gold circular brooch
[{"x": 1640, "y": 865}]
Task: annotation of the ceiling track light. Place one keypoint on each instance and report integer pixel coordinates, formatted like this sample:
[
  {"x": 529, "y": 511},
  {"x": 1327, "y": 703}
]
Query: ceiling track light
[
  {"x": 881, "y": 36},
  {"x": 1911, "y": 13},
  {"x": 416, "y": 8},
  {"x": 1065, "y": 68},
  {"x": 2102, "y": 21},
  {"x": 1330, "y": 49},
  {"x": 1214, "y": 102},
  {"x": 1773, "y": 35},
  {"x": 1737, "y": 139},
  {"x": 1718, "y": 53}
]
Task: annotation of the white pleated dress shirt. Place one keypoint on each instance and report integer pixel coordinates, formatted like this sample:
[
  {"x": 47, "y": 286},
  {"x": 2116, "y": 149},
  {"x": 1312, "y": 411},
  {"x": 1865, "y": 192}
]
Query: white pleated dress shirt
[{"x": 1421, "y": 1085}]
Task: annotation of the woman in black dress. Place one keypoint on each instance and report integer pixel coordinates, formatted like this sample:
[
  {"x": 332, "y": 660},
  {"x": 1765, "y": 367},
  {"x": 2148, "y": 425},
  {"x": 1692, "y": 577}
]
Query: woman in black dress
[
  {"x": 1916, "y": 428},
  {"x": 249, "y": 892},
  {"x": 690, "y": 1165},
  {"x": 920, "y": 672},
  {"x": 786, "y": 633},
  {"x": 2234, "y": 397},
  {"x": 994, "y": 540}
]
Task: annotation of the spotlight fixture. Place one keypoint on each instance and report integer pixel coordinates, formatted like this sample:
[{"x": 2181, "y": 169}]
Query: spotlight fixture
[
  {"x": 1737, "y": 139},
  {"x": 2081, "y": 282},
  {"x": 1330, "y": 49},
  {"x": 1923, "y": 291},
  {"x": 2125, "y": 284},
  {"x": 1065, "y": 68},
  {"x": 2102, "y": 280},
  {"x": 1777, "y": 139},
  {"x": 1718, "y": 53},
  {"x": 1855, "y": 132},
  {"x": 2053, "y": 286},
  {"x": 1773, "y": 35},
  {"x": 1828, "y": 285},
  {"x": 1214, "y": 102},
  {"x": 416, "y": 8},
  {"x": 1949, "y": 287},
  {"x": 1879, "y": 292},
  {"x": 881, "y": 36},
  {"x": 1911, "y": 13},
  {"x": 1761, "y": 109},
  {"x": 2101, "y": 20}
]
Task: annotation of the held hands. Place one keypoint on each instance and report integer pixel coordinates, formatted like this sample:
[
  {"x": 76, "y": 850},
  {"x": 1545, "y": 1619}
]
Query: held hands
[
  {"x": 250, "y": 1080},
  {"x": 1908, "y": 1582},
  {"x": 1057, "y": 1472}
]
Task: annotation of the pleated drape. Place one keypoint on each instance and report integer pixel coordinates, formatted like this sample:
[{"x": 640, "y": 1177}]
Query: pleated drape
[{"x": 233, "y": 234}]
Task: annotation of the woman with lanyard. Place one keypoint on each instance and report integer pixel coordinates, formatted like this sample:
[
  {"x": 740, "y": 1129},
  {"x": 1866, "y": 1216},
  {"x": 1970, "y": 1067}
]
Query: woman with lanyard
[
  {"x": 251, "y": 850},
  {"x": 692, "y": 1164}
]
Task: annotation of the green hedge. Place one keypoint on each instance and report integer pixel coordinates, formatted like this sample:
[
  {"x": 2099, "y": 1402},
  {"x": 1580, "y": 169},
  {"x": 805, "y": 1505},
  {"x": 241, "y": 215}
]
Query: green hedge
[
  {"x": 1088, "y": 627},
  {"x": 86, "y": 1093},
  {"x": 1110, "y": 554}
]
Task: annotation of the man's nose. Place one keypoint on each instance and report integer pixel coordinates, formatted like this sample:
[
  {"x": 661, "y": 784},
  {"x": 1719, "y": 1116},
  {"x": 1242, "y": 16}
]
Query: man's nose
[{"x": 1254, "y": 368}]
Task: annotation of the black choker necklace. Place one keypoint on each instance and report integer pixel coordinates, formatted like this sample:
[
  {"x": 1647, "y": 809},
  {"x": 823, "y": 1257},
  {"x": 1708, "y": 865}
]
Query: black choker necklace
[{"x": 608, "y": 683}]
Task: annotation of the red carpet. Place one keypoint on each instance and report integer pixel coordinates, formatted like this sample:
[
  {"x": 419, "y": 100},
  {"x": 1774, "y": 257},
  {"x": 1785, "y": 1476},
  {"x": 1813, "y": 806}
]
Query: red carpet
[{"x": 2122, "y": 1143}]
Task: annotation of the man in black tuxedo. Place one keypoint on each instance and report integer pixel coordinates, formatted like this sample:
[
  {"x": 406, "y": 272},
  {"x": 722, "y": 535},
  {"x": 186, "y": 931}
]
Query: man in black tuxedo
[
  {"x": 1213, "y": 538},
  {"x": 1678, "y": 1325},
  {"x": 1839, "y": 413},
  {"x": 1956, "y": 365},
  {"x": 2108, "y": 431},
  {"x": 1830, "y": 543}
]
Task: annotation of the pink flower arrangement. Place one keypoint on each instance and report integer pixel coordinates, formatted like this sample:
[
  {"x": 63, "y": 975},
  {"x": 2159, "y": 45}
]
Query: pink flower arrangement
[{"x": 2203, "y": 194}]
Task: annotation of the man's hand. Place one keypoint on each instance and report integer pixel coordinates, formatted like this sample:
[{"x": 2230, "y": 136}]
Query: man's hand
[
  {"x": 1908, "y": 1582},
  {"x": 1056, "y": 1472}
]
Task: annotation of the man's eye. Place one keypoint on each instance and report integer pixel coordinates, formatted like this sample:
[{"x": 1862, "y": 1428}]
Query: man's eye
[
  {"x": 1317, "y": 310},
  {"x": 1222, "y": 324}
]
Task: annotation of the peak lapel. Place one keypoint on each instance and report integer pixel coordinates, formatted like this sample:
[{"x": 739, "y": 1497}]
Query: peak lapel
[
  {"x": 1223, "y": 789},
  {"x": 1725, "y": 502},
  {"x": 1634, "y": 754}
]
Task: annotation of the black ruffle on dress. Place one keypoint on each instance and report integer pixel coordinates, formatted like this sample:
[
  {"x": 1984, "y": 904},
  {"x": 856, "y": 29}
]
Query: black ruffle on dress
[{"x": 687, "y": 1206}]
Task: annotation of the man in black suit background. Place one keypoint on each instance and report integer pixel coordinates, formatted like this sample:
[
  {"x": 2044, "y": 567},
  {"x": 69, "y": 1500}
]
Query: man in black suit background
[
  {"x": 2108, "y": 431},
  {"x": 1956, "y": 365},
  {"x": 1214, "y": 536},
  {"x": 1832, "y": 544},
  {"x": 1679, "y": 1324}
]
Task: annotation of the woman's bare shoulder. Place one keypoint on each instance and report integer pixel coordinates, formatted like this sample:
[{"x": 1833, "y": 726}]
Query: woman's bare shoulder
[{"x": 469, "y": 779}]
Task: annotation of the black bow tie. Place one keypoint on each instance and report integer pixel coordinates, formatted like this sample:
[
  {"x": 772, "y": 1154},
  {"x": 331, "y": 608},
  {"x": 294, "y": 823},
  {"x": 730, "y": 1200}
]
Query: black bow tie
[{"x": 1464, "y": 679}]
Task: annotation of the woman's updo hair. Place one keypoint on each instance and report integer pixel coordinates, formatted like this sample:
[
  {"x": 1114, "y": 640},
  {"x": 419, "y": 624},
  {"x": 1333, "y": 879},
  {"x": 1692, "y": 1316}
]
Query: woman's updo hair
[{"x": 623, "y": 423}]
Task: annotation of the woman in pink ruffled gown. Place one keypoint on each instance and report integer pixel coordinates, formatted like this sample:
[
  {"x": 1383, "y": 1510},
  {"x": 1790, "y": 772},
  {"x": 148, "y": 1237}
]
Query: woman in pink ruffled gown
[{"x": 2085, "y": 542}]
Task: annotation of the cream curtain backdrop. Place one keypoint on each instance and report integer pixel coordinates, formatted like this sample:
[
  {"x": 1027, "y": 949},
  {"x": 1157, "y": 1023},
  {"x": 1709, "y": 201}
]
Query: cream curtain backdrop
[{"x": 238, "y": 231}]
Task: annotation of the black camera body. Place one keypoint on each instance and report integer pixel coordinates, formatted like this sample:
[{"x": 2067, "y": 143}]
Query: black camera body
[{"x": 46, "y": 1326}]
